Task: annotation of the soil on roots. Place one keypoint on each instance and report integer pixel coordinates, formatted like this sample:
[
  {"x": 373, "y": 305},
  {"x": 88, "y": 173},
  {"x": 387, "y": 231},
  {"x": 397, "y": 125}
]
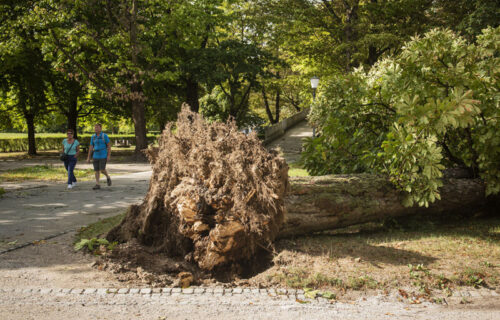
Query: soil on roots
[{"x": 215, "y": 200}]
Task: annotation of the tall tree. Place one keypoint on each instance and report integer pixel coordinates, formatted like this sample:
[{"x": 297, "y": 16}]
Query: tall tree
[
  {"x": 24, "y": 74},
  {"x": 237, "y": 67},
  {"x": 107, "y": 41}
]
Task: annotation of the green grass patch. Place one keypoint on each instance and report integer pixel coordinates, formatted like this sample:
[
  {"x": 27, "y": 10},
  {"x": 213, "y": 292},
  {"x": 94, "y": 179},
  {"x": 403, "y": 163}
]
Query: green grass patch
[
  {"x": 2, "y": 192},
  {"x": 296, "y": 170},
  {"x": 45, "y": 173},
  {"x": 21, "y": 135},
  {"x": 99, "y": 228}
]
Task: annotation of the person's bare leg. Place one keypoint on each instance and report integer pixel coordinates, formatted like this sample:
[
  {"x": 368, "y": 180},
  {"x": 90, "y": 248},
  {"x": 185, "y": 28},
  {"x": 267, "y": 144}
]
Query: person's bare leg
[
  {"x": 108, "y": 178},
  {"x": 97, "y": 177},
  {"x": 104, "y": 172}
]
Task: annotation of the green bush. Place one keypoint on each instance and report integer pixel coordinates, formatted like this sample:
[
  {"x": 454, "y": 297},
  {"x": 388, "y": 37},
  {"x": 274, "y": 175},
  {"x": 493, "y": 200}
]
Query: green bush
[
  {"x": 433, "y": 106},
  {"x": 9, "y": 143}
]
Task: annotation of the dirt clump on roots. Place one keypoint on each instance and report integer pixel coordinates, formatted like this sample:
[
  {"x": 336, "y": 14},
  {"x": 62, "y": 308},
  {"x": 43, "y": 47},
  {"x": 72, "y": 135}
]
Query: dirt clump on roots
[{"x": 215, "y": 199}]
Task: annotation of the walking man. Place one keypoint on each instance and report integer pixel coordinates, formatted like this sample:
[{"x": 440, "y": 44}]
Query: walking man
[{"x": 100, "y": 149}]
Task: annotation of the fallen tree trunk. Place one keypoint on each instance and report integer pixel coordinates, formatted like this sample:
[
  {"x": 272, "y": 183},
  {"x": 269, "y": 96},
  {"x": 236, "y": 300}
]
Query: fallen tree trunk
[
  {"x": 328, "y": 202},
  {"x": 217, "y": 197}
]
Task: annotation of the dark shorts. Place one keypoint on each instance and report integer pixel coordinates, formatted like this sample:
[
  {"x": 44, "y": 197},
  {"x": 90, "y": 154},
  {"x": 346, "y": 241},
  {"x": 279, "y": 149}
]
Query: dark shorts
[{"x": 100, "y": 164}]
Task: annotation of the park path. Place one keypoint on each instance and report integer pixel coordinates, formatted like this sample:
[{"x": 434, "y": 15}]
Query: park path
[
  {"x": 291, "y": 142},
  {"x": 34, "y": 211},
  {"x": 128, "y": 167}
]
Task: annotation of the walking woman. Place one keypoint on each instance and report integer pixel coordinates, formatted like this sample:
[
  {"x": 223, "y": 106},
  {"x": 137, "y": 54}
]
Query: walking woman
[{"x": 71, "y": 147}]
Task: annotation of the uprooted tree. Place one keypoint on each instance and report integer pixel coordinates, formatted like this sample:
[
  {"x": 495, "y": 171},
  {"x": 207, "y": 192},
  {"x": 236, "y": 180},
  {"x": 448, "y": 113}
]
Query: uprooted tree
[{"x": 217, "y": 196}]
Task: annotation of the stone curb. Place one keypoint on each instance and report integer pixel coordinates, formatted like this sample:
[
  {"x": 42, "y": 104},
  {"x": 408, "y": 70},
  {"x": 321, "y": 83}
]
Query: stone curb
[
  {"x": 279, "y": 293},
  {"x": 215, "y": 291}
]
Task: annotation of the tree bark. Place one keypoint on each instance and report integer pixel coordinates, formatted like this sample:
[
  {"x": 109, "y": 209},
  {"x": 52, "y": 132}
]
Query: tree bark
[
  {"x": 192, "y": 97},
  {"x": 349, "y": 32},
  {"x": 328, "y": 202},
  {"x": 268, "y": 109},
  {"x": 73, "y": 115},
  {"x": 137, "y": 94},
  {"x": 30, "y": 121},
  {"x": 277, "y": 106},
  {"x": 138, "y": 115}
]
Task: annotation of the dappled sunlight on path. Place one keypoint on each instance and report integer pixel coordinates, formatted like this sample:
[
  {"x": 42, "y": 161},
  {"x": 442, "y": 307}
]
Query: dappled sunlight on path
[{"x": 31, "y": 214}]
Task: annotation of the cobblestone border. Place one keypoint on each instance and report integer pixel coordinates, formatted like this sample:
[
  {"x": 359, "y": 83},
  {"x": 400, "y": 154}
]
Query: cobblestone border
[
  {"x": 293, "y": 294},
  {"x": 26, "y": 244},
  {"x": 160, "y": 292}
]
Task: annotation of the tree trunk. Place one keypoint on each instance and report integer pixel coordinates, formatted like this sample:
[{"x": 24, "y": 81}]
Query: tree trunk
[
  {"x": 349, "y": 32},
  {"x": 216, "y": 196},
  {"x": 277, "y": 106},
  {"x": 141, "y": 140},
  {"x": 192, "y": 94},
  {"x": 328, "y": 202},
  {"x": 137, "y": 95},
  {"x": 73, "y": 115},
  {"x": 30, "y": 121},
  {"x": 268, "y": 109}
]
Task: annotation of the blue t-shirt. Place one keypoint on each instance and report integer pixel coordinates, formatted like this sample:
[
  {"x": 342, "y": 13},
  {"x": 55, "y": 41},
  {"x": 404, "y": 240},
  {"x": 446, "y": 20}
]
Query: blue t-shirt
[
  {"x": 99, "y": 143},
  {"x": 67, "y": 147}
]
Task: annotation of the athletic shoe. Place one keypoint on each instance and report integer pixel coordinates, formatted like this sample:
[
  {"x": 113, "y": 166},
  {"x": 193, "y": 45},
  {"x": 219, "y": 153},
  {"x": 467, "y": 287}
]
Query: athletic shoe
[
  {"x": 73, "y": 184},
  {"x": 70, "y": 186},
  {"x": 96, "y": 187},
  {"x": 108, "y": 179}
]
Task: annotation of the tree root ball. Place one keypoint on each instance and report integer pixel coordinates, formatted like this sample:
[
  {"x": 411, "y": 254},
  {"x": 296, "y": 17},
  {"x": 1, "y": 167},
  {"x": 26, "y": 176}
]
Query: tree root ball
[{"x": 215, "y": 197}]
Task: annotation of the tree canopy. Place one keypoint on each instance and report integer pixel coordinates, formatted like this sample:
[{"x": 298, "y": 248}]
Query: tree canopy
[
  {"x": 409, "y": 87},
  {"x": 433, "y": 106}
]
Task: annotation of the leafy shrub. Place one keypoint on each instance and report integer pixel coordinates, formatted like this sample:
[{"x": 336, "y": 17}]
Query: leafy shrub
[{"x": 433, "y": 106}]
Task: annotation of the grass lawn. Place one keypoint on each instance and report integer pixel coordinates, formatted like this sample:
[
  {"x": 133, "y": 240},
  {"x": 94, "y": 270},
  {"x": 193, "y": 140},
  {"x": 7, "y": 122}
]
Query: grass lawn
[
  {"x": 296, "y": 170},
  {"x": 45, "y": 173},
  {"x": 422, "y": 256},
  {"x": 6, "y": 135},
  {"x": 99, "y": 228}
]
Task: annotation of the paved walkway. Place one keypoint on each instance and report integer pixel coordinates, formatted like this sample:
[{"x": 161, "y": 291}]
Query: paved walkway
[
  {"x": 33, "y": 211},
  {"x": 291, "y": 142},
  {"x": 8, "y": 164}
]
